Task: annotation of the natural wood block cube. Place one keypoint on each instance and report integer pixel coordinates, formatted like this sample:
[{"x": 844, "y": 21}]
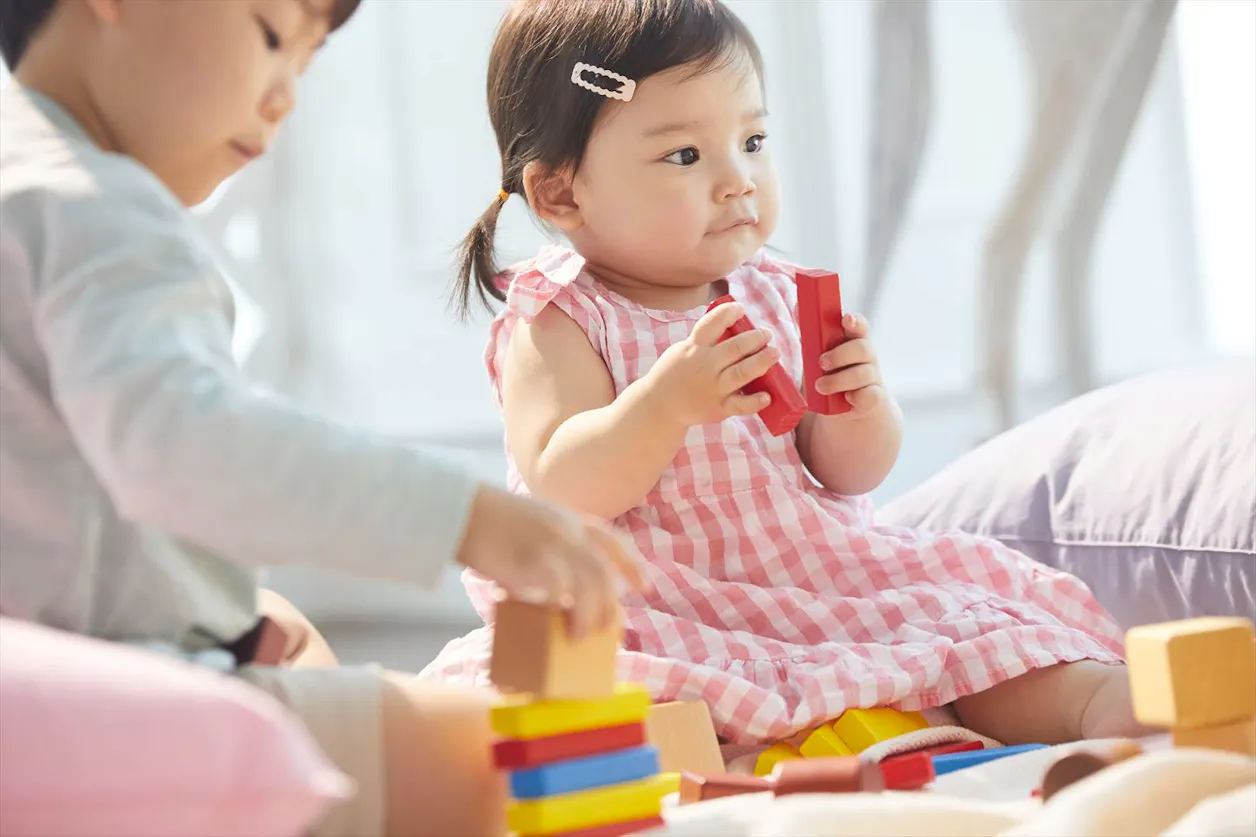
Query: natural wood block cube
[
  {"x": 684, "y": 735},
  {"x": 1239, "y": 737},
  {"x": 534, "y": 653},
  {"x": 1194, "y": 673}
]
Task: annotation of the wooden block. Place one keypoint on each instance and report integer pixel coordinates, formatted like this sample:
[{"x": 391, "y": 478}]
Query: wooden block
[
  {"x": 846, "y": 774},
  {"x": 788, "y": 405},
  {"x": 824, "y": 742},
  {"x": 616, "y": 829},
  {"x": 772, "y": 756},
  {"x": 1193, "y": 673},
  {"x": 520, "y": 718},
  {"x": 589, "y": 809},
  {"x": 533, "y": 653},
  {"x": 697, "y": 788},
  {"x": 820, "y": 328},
  {"x": 1238, "y": 737},
  {"x": 861, "y": 728},
  {"x": 514, "y": 753},
  {"x": 599, "y": 771},
  {"x": 685, "y": 737}
]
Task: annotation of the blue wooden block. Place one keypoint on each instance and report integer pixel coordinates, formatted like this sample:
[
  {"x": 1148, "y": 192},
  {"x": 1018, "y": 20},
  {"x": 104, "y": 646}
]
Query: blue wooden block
[
  {"x": 950, "y": 762},
  {"x": 585, "y": 773}
]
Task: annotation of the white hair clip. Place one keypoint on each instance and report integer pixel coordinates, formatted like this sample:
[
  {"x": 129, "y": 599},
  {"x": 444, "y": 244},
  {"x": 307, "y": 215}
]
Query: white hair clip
[{"x": 624, "y": 93}]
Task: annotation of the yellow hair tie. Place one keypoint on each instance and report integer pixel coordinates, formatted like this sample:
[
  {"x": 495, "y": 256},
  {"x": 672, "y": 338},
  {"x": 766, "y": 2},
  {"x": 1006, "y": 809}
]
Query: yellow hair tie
[{"x": 503, "y": 195}]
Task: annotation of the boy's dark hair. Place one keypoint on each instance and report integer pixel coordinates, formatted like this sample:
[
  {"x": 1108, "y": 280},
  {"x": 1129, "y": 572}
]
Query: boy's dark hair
[
  {"x": 540, "y": 116},
  {"x": 21, "y": 19}
]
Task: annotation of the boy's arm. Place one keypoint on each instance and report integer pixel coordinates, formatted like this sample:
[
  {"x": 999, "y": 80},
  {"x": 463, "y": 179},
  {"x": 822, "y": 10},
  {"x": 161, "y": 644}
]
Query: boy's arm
[
  {"x": 574, "y": 442},
  {"x": 140, "y": 366}
]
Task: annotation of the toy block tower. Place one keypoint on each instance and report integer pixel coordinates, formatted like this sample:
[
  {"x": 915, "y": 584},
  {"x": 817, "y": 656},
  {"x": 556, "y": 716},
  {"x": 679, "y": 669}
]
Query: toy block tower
[
  {"x": 1197, "y": 677},
  {"x": 573, "y": 741}
]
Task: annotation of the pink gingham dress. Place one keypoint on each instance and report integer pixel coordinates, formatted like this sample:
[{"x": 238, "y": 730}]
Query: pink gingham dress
[{"x": 780, "y": 603}]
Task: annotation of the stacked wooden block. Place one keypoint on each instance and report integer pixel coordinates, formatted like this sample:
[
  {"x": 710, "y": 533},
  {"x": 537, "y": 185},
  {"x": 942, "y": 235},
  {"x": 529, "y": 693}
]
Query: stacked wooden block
[
  {"x": 579, "y": 749},
  {"x": 1197, "y": 677}
]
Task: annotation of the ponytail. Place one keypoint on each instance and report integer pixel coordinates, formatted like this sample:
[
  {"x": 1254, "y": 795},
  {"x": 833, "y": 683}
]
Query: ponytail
[{"x": 476, "y": 269}]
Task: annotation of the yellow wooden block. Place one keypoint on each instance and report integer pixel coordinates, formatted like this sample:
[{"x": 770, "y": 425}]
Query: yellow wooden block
[
  {"x": 1193, "y": 673},
  {"x": 587, "y": 809},
  {"x": 520, "y": 718},
  {"x": 861, "y": 728},
  {"x": 1239, "y": 737},
  {"x": 824, "y": 742},
  {"x": 673, "y": 781},
  {"x": 773, "y": 756}
]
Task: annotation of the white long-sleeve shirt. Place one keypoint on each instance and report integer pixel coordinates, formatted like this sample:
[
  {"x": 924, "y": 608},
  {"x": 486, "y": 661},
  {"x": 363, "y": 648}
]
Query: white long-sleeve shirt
[{"x": 143, "y": 479}]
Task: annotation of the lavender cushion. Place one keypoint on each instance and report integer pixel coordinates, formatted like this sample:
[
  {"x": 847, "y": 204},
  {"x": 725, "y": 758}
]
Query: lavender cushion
[{"x": 1145, "y": 490}]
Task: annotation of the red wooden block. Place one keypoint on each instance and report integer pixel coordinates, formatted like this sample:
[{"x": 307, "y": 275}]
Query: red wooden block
[
  {"x": 839, "y": 774},
  {"x": 820, "y": 321},
  {"x": 511, "y": 753},
  {"x": 698, "y": 788},
  {"x": 788, "y": 406},
  {"x": 615, "y": 829},
  {"x": 907, "y": 772}
]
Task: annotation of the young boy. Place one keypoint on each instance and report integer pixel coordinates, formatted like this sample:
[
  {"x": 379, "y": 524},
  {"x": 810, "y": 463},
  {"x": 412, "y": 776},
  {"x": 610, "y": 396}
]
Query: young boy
[{"x": 143, "y": 480}]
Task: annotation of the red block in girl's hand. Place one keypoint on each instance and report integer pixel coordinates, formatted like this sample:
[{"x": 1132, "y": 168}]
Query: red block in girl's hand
[
  {"x": 787, "y": 407},
  {"x": 820, "y": 321}
]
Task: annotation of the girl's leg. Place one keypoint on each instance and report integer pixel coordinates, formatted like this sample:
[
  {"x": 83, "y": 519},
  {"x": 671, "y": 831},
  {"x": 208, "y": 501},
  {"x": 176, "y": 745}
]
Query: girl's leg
[
  {"x": 307, "y": 648},
  {"x": 439, "y": 776},
  {"x": 1066, "y": 702}
]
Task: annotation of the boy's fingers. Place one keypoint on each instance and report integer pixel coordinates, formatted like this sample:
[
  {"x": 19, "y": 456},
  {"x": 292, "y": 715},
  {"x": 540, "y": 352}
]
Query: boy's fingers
[
  {"x": 630, "y": 565},
  {"x": 715, "y": 322}
]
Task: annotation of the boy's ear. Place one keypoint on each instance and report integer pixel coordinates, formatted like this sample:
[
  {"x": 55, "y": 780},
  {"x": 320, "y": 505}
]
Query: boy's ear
[
  {"x": 551, "y": 196},
  {"x": 106, "y": 10}
]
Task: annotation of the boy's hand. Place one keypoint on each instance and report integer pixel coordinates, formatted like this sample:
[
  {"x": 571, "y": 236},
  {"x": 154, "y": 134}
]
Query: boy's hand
[
  {"x": 699, "y": 379},
  {"x": 537, "y": 551},
  {"x": 853, "y": 369}
]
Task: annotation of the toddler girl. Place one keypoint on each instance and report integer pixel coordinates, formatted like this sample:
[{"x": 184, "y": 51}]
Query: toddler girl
[{"x": 639, "y": 130}]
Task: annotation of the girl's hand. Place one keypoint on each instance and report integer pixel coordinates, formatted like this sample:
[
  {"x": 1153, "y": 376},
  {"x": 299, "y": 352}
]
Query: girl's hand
[
  {"x": 539, "y": 552},
  {"x": 853, "y": 369},
  {"x": 699, "y": 379}
]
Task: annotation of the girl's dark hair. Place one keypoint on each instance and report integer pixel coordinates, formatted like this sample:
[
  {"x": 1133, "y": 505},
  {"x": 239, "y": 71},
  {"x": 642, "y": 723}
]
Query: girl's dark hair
[
  {"x": 21, "y": 19},
  {"x": 539, "y": 116}
]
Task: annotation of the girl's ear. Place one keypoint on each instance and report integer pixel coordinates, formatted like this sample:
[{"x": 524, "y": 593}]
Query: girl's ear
[{"x": 551, "y": 197}]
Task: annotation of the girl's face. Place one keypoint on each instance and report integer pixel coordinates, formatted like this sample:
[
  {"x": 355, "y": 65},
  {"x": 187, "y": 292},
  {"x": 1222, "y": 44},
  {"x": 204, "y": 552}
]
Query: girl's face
[{"x": 677, "y": 186}]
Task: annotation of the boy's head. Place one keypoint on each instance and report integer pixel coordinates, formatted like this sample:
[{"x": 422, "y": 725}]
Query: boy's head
[
  {"x": 672, "y": 184},
  {"x": 192, "y": 89}
]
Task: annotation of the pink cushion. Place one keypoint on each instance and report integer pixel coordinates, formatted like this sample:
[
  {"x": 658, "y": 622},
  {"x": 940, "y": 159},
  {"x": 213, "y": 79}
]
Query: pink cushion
[{"x": 103, "y": 739}]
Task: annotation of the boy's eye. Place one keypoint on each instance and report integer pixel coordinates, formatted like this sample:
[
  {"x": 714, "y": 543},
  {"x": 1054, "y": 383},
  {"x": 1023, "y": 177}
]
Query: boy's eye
[
  {"x": 755, "y": 144},
  {"x": 270, "y": 36},
  {"x": 683, "y": 157}
]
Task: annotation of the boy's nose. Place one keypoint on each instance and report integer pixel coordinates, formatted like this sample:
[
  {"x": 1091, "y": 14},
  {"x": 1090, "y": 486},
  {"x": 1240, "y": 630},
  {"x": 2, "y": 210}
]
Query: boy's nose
[{"x": 280, "y": 99}]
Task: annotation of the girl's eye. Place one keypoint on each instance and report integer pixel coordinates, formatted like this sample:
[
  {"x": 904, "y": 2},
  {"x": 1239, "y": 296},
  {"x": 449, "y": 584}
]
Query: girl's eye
[
  {"x": 755, "y": 144},
  {"x": 269, "y": 36},
  {"x": 683, "y": 157}
]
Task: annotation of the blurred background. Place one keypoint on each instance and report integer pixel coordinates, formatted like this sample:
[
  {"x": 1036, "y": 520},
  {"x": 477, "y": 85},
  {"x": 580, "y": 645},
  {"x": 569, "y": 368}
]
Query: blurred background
[{"x": 926, "y": 149}]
